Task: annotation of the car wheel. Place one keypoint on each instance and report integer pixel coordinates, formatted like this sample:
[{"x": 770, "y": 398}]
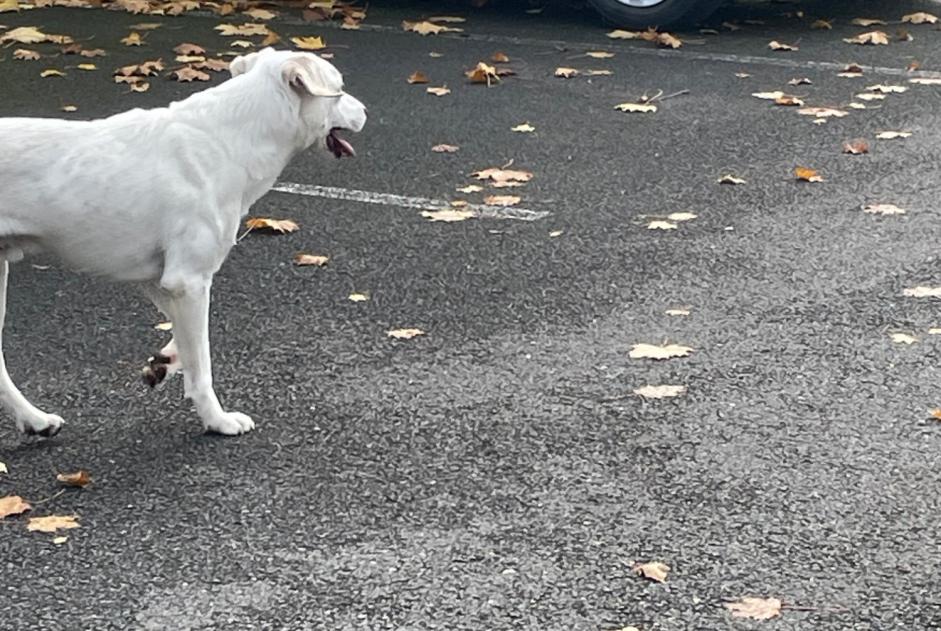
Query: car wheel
[{"x": 659, "y": 13}]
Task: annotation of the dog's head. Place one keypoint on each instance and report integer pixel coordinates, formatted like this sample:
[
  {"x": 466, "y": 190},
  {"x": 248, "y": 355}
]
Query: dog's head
[{"x": 325, "y": 109}]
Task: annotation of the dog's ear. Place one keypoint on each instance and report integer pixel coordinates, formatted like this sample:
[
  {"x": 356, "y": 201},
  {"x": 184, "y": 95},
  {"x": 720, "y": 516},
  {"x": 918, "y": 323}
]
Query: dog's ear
[
  {"x": 308, "y": 77},
  {"x": 241, "y": 65}
]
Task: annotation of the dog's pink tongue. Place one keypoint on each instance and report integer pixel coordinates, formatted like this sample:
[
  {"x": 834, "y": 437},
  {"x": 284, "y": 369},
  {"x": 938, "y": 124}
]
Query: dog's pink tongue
[{"x": 339, "y": 146}]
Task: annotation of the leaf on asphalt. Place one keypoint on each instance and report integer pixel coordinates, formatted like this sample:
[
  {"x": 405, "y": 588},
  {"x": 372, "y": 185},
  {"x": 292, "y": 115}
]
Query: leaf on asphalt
[
  {"x": 140, "y": 86},
  {"x": 282, "y": 226},
  {"x": 357, "y": 297},
  {"x": 883, "y": 209},
  {"x": 164, "y": 326},
  {"x": 822, "y": 112},
  {"x": 60, "y": 540},
  {"x": 133, "y": 39},
  {"x": 471, "y": 188},
  {"x": 417, "y": 77},
  {"x": 730, "y": 179},
  {"x": 7, "y": 6},
  {"x": 447, "y": 215},
  {"x": 864, "y": 22},
  {"x": 405, "y": 334},
  {"x": 653, "y": 351},
  {"x": 925, "y": 81},
  {"x": 189, "y": 59},
  {"x": 599, "y": 54},
  {"x": 483, "y": 73},
  {"x": 599, "y": 73},
  {"x": 447, "y": 19},
  {"x": 458, "y": 203},
  {"x": 903, "y": 338},
  {"x": 805, "y": 174},
  {"x": 677, "y": 312},
  {"x": 789, "y": 100},
  {"x": 51, "y": 72},
  {"x": 24, "y": 35},
  {"x": 189, "y": 49},
  {"x": 80, "y": 479},
  {"x": 922, "y": 292},
  {"x": 637, "y": 108},
  {"x": 856, "y": 147},
  {"x": 681, "y": 216},
  {"x": 147, "y": 69},
  {"x": 654, "y": 570},
  {"x": 856, "y": 106},
  {"x": 776, "y": 45},
  {"x": 87, "y": 67},
  {"x": 500, "y": 176},
  {"x": 565, "y": 73},
  {"x": 243, "y": 30},
  {"x": 52, "y": 523},
  {"x": 442, "y": 148},
  {"x": 12, "y": 505},
  {"x": 555, "y": 233},
  {"x": 146, "y": 26},
  {"x": 668, "y": 40},
  {"x": 800, "y": 81},
  {"x": 3, "y": 468},
  {"x": 871, "y": 38},
  {"x": 920, "y": 18},
  {"x": 188, "y": 73},
  {"x": 620, "y": 34},
  {"x": 742, "y": 75},
  {"x": 892, "y": 135},
  {"x": 308, "y": 43},
  {"x": 502, "y": 200},
  {"x": 260, "y": 14},
  {"x": 887, "y": 89},
  {"x": 769, "y": 96},
  {"x": 242, "y": 43},
  {"x": 428, "y": 28},
  {"x": 442, "y": 91},
  {"x": 822, "y": 25},
  {"x": 870, "y": 96},
  {"x": 302, "y": 259},
  {"x": 659, "y": 392},
  {"x": 851, "y": 71},
  {"x": 661, "y": 225},
  {"x": 524, "y": 128},
  {"x": 26, "y": 55},
  {"x": 755, "y": 608}
]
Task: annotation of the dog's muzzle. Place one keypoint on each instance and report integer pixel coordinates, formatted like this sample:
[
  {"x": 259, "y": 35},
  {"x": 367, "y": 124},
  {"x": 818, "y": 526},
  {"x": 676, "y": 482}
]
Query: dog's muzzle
[{"x": 339, "y": 146}]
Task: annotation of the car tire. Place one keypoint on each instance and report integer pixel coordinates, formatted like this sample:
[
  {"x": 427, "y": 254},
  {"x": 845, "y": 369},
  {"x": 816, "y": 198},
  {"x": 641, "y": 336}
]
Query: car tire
[{"x": 662, "y": 13}]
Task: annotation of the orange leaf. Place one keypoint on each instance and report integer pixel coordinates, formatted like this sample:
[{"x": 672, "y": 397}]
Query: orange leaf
[
  {"x": 277, "y": 225},
  {"x": 80, "y": 479},
  {"x": 417, "y": 77},
  {"x": 807, "y": 175}
]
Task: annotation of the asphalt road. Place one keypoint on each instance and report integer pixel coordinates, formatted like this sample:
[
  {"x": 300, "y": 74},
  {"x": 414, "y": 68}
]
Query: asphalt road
[{"x": 499, "y": 472}]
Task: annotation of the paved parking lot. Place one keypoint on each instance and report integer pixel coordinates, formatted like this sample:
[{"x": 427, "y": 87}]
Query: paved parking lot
[{"x": 499, "y": 472}]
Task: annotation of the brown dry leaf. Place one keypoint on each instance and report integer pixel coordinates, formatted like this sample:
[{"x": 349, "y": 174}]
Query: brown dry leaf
[
  {"x": 824, "y": 25},
  {"x": 52, "y": 523},
  {"x": 654, "y": 570},
  {"x": 428, "y": 28},
  {"x": 730, "y": 179},
  {"x": 755, "y": 608},
  {"x": 242, "y": 43},
  {"x": 243, "y": 30},
  {"x": 800, "y": 81},
  {"x": 188, "y": 73},
  {"x": 442, "y": 91},
  {"x": 882, "y": 88},
  {"x": 448, "y": 215},
  {"x": 925, "y": 81},
  {"x": 12, "y": 505},
  {"x": 805, "y": 174},
  {"x": 405, "y": 334},
  {"x": 482, "y": 73},
  {"x": 920, "y": 18},
  {"x": 867, "y": 22},
  {"x": 189, "y": 49},
  {"x": 51, "y": 72},
  {"x": 524, "y": 128},
  {"x": 883, "y": 209},
  {"x": 871, "y": 38},
  {"x": 273, "y": 38},
  {"x": 215, "y": 65},
  {"x": 503, "y": 175},
  {"x": 659, "y": 392},
  {"x": 282, "y": 226},
  {"x": 471, "y": 188},
  {"x": 789, "y": 100},
  {"x": 147, "y": 69},
  {"x": 458, "y": 203},
  {"x": 308, "y": 43},
  {"x": 936, "y": 413},
  {"x": 922, "y": 292},
  {"x": 141, "y": 86},
  {"x": 856, "y": 147},
  {"x": 892, "y": 135},
  {"x": 668, "y": 40},
  {"x": 641, "y": 108},
  {"x": 913, "y": 66},
  {"x": 769, "y": 96},
  {"x": 80, "y": 479},
  {"x": 24, "y": 35},
  {"x": 499, "y": 58},
  {"x": 870, "y": 96},
  {"x": 134, "y": 39},
  {"x": 619, "y": 34},
  {"x": 443, "y": 148},
  {"x": 417, "y": 77},
  {"x": 565, "y": 73},
  {"x": 189, "y": 59},
  {"x": 599, "y": 54},
  {"x": 7, "y": 6},
  {"x": 301, "y": 259},
  {"x": 661, "y": 225},
  {"x": 822, "y": 112},
  {"x": 652, "y": 351},
  {"x": 502, "y": 200},
  {"x": 260, "y": 14},
  {"x": 776, "y": 45},
  {"x": 26, "y": 55}
]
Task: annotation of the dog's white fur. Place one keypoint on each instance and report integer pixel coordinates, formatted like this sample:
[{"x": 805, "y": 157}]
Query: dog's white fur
[{"x": 156, "y": 197}]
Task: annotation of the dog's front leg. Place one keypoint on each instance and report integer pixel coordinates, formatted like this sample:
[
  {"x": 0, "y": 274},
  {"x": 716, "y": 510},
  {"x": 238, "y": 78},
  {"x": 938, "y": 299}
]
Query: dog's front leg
[{"x": 188, "y": 308}]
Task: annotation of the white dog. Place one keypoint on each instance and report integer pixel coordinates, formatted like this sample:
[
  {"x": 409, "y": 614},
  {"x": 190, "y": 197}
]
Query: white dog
[{"x": 155, "y": 197}]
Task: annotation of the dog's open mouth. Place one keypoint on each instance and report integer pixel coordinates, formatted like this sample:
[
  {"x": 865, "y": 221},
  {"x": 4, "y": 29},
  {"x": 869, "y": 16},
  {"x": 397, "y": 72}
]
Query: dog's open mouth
[{"x": 337, "y": 145}]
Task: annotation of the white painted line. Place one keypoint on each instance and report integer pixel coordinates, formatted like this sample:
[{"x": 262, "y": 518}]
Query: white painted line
[{"x": 418, "y": 203}]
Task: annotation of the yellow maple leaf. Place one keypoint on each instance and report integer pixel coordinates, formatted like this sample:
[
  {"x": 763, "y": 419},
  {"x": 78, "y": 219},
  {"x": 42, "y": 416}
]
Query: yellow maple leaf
[
  {"x": 308, "y": 43},
  {"x": 87, "y": 67}
]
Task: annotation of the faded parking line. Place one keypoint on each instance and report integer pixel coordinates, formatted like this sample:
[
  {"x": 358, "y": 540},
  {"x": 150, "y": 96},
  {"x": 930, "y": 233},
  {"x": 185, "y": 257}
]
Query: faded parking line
[{"x": 418, "y": 203}]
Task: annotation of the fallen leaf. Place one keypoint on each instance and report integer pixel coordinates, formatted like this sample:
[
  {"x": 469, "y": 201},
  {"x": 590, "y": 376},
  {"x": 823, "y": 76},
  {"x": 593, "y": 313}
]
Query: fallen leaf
[
  {"x": 242, "y": 43},
  {"x": 445, "y": 148},
  {"x": 442, "y": 91},
  {"x": 883, "y": 209},
  {"x": 871, "y": 38},
  {"x": 565, "y": 73},
  {"x": 357, "y": 297},
  {"x": 822, "y": 112},
  {"x": 458, "y": 203},
  {"x": 59, "y": 540},
  {"x": 427, "y": 28},
  {"x": 141, "y": 86},
  {"x": 913, "y": 66},
  {"x": 417, "y": 77},
  {"x": 789, "y": 100},
  {"x": 599, "y": 54},
  {"x": 730, "y": 179},
  {"x": 659, "y": 392},
  {"x": 677, "y": 312},
  {"x": 133, "y": 39},
  {"x": 260, "y": 14},
  {"x": 654, "y": 570},
  {"x": 471, "y": 188},
  {"x": 755, "y": 608},
  {"x": 308, "y": 43},
  {"x": 934, "y": 331},
  {"x": 870, "y": 96},
  {"x": 892, "y": 135},
  {"x": 555, "y": 233},
  {"x": 244, "y": 30},
  {"x": 12, "y": 505},
  {"x": 188, "y": 73},
  {"x": 482, "y": 73},
  {"x": 776, "y": 45},
  {"x": 164, "y": 326},
  {"x": 405, "y": 334},
  {"x": 499, "y": 58},
  {"x": 642, "y": 108},
  {"x": 922, "y": 292},
  {"x": 805, "y": 174},
  {"x": 3, "y": 468},
  {"x": 87, "y": 67},
  {"x": 146, "y": 26},
  {"x": 80, "y": 479},
  {"x": 652, "y": 351},
  {"x": 681, "y": 216},
  {"x": 282, "y": 226},
  {"x": 189, "y": 59},
  {"x": 668, "y": 40},
  {"x": 867, "y": 22},
  {"x": 301, "y": 259},
  {"x": 800, "y": 81},
  {"x": 502, "y": 200},
  {"x": 599, "y": 73},
  {"x": 856, "y": 106},
  {"x": 856, "y": 147},
  {"x": 52, "y": 523},
  {"x": 920, "y": 18},
  {"x": 903, "y": 338},
  {"x": 824, "y": 25},
  {"x": 215, "y": 65},
  {"x": 189, "y": 49},
  {"x": 620, "y": 34},
  {"x": 925, "y": 81},
  {"x": 661, "y": 225},
  {"x": 447, "y": 215},
  {"x": 146, "y": 69},
  {"x": 9, "y": 5},
  {"x": 448, "y": 19},
  {"x": 742, "y": 75},
  {"x": 769, "y": 96},
  {"x": 51, "y": 72},
  {"x": 26, "y": 55},
  {"x": 24, "y": 35},
  {"x": 887, "y": 89},
  {"x": 524, "y": 128}
]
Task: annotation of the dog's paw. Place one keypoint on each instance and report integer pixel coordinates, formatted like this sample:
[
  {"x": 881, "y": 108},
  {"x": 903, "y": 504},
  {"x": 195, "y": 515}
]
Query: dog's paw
[
  {"x": 42, "y": 424},
  {"x": 159, "y": 367},
  {"x": 231, "y": 424}
]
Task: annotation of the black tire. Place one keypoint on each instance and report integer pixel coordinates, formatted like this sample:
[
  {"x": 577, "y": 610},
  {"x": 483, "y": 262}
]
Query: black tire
[{"x": 666, "y": 14}]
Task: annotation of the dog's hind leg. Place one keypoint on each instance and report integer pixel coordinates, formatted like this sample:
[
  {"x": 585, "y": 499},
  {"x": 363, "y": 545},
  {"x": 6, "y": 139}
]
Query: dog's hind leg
[
  {"x": 29, "y": 419},
  {"x": 167, "y": 361}
]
